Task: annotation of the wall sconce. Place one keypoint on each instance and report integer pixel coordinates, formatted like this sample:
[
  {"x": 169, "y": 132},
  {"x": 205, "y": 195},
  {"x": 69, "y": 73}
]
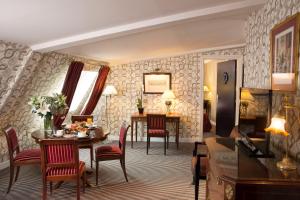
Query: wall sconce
[{"x": 168, "y": 96}]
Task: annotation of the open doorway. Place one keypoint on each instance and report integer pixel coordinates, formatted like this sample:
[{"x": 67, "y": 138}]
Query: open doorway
[{"x": 219, "y": 98}]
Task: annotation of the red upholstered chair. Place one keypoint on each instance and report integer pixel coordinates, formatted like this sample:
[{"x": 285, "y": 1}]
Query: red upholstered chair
[
  {"x": 60, "y": 162},
  {"x": 88, "y": 145},
  {"x": 113, "y": 152},
  {"x": 18, "y": 158},
  {"x": 156, "y": 127}
]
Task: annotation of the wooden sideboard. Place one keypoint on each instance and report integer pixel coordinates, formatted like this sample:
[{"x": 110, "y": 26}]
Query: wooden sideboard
[{"x": 232, "y": 174}]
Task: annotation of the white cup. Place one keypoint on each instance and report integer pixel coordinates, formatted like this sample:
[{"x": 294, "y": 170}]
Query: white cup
[
  {"x": 81, "y": 134},
  {"x": 59, "y": 133}
]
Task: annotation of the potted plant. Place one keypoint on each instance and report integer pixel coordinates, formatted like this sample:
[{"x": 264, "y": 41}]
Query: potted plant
[{"x": 139, "y": 105}]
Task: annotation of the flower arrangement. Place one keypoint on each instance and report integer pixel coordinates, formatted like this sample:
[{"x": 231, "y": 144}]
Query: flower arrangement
[{"x": 47, "y": 106}]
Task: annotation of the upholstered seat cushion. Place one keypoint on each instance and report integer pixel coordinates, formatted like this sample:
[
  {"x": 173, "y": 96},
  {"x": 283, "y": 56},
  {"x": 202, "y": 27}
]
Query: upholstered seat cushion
[
  {"x": 65, "y": 171},
  {"x": 111, "y": 150},
  {"x": 157, "y": 132},
  {"x": 29, "y": 154}
]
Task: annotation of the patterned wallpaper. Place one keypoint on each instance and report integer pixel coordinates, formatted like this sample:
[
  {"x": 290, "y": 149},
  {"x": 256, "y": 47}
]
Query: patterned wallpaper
[
  {"x": 12, "y": 60},
  {"x": 257, "y": 71},
  {"x": 29, "y": 73},
  {"x": 185, "y": 69}
]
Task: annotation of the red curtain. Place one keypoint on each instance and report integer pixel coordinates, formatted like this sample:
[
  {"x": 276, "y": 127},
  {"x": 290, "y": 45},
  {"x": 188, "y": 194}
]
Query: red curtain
[
  {"x": 97, "y": 91},
  {"x": 69, "y": 87}
]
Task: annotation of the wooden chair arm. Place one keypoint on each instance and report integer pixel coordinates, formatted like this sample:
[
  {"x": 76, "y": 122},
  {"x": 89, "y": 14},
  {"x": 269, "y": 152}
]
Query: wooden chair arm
[{"x": 196, "y": 147}]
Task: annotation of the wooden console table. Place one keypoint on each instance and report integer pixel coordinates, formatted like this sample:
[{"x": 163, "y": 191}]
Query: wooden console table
[
  {"x": 231, "y": 174},
  {"x": 171, "y": 117}
]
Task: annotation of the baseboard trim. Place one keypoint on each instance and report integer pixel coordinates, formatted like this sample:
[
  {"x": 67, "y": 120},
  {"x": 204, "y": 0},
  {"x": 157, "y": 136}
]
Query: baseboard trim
[
  {"x": 154, "y": 139},
  {"x": 4, "y": 165}
]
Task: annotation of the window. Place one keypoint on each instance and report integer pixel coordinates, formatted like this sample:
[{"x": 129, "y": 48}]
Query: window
[{"x": 86, "y": 80}]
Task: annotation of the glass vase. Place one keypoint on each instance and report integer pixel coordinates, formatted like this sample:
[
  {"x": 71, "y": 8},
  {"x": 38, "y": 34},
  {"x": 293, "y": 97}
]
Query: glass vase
[{"x": 48, "y": 123}]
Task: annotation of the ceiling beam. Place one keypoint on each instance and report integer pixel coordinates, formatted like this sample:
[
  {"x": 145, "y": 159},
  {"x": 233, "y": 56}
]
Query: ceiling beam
[{"x": 140, "y": 26}]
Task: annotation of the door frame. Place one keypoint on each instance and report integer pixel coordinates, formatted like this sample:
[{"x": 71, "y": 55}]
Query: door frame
[{"x": 239, "y": 78}]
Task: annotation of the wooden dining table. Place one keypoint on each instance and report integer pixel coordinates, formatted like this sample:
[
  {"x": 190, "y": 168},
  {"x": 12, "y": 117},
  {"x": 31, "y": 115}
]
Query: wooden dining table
[{"x": 96, "y": 135}]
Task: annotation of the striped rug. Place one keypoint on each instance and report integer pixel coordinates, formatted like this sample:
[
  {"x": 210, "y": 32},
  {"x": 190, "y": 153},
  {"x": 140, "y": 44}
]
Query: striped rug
[{"x": 151, "y": 177}]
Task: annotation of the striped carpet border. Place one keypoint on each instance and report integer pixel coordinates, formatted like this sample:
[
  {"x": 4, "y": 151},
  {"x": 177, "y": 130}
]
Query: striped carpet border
[{"x": 151, "y": 177}]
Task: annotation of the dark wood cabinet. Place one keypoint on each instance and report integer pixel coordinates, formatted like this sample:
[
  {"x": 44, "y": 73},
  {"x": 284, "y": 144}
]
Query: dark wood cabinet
[{"x": 233, "y": 175}]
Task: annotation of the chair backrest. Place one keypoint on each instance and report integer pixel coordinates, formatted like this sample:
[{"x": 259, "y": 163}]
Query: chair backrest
[
  {"x": 59, "y": 153},
  {"x": 122, "y": 137},
  {"x": 156, "y": 121},
  {"x": 12, "y": 142},
  {"x": 80, "y": 118}
]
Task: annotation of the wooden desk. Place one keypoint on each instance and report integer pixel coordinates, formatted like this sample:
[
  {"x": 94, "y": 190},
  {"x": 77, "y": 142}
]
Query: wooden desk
[
  {"x": 171, "y": 118},
  {"x": 232, "y": 174}
]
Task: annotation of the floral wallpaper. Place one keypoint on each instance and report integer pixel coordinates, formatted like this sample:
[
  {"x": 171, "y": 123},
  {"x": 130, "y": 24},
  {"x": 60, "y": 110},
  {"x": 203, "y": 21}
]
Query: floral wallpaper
[
  {"x": 24, "y": 73},
  {"x": 257, "y": 55},
  {"x": 12, "y": 60},
  {"x": 128, "y": 80}
]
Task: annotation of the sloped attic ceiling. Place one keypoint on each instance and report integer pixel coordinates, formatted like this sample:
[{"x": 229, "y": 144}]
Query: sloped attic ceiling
[{"x": 122, "y": 31}]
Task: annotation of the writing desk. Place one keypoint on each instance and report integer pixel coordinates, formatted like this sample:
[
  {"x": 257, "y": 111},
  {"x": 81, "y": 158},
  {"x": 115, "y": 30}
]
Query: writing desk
[
  {"x": 232, "y": 174},
  {"x": 171, "y": 118}
]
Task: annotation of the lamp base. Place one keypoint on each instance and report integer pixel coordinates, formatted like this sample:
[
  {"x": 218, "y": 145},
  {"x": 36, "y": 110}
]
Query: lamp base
[
  {"x": 286, "y": 164},
  {"x": 168, "y": 105}
]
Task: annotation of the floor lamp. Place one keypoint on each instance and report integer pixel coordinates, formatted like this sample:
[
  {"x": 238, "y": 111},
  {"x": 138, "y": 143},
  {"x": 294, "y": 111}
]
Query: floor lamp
[{"x": 108, "y": 92}]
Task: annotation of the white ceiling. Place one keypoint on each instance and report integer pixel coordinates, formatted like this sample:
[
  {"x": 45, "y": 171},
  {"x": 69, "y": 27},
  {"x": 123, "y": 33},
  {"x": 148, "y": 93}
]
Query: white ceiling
[{"x": 121, "y": 31}]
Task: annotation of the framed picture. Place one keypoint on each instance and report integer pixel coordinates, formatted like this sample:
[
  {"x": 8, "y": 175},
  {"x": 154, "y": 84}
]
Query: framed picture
[
  {"x": 156, "y": 82},
  {"x": 284, "y": 54}
]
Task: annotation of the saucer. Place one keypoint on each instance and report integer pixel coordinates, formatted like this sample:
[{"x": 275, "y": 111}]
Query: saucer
[
  {"x": 57, "y": 135},
  {"x": 82, "y": 136},
  {"x": 68, "y": 135}
]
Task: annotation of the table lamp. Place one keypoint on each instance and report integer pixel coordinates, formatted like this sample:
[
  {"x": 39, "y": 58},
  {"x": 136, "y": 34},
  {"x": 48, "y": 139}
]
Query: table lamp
[
  {"x": 205, "y": 88},
  {"x": 168, "y": 96},
  {"x": 277, "y": 127},
  {"x": 108, "y": 92},
  {"x": 246, "y": 98}
]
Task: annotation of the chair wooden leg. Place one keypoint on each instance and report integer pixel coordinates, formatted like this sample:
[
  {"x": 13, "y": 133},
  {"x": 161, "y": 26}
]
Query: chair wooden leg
[
  {"x": 51, "y": 186},
  {"x": 97, "y": 169},
  {"x": 78, "y": 187},
  {"x": 92, "y": 156},
  {"x": 122, "y": 161},
  {"x": 12, "y": 173},
  {"x": 44, "y": 188},
  {"x": 148, "y": 144},
  {"x": 165, "y": 145},
  {"x": 17, "y": 173},
  {"x": 83, "y": 181},
  {"x": 197, "y": 175},
  {"x": 168, "y": 141}
]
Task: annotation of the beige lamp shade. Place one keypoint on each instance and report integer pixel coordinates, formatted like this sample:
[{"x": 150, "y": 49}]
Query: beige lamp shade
[
  {"x": 110, "y": 90},
  {"x": 246, "y": 96},
  {"x": 205, "y": 88},
  {"x": 277, "y": 126},
  {"x": 168, "y": 95}
]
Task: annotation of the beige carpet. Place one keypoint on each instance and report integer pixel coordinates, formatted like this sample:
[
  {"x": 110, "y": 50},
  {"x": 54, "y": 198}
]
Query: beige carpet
[{"x": 151, "y": 177}]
